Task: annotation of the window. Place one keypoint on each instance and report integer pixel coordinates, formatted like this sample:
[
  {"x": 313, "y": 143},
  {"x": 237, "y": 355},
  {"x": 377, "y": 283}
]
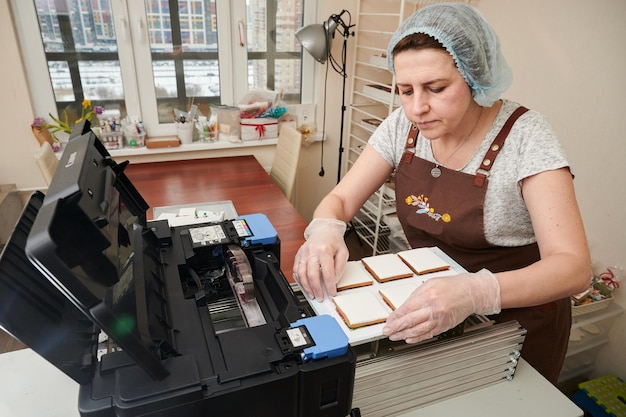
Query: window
[{"x": 148, "y": 57}]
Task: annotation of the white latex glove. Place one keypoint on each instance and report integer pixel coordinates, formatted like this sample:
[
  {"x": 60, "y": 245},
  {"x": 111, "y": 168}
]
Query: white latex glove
[
  {"x": 320, "y": 261},
  {"x": 441, "y": 303}
]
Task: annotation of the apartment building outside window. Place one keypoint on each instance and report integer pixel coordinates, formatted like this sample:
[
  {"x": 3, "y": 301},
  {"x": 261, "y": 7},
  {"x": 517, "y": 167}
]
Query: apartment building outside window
[{"x": 146, "y": 58}]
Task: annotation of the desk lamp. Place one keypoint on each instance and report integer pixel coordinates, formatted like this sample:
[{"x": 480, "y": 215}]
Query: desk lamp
[{"x": 317, "y": 39}]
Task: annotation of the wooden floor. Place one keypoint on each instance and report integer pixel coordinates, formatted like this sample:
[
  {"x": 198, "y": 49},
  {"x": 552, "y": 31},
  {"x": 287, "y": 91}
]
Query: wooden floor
[{"x": 8, "y": 343}]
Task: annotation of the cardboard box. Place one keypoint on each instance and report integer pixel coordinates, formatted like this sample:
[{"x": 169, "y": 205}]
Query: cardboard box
[
  {"x": 154, "y": 143},
  {"x": 257, "y": 129}
]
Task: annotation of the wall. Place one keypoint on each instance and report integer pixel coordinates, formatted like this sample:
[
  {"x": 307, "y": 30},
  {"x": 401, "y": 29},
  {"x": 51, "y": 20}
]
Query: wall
[
  {"x": 312, "y": 187},
  {"x": 17, "y": 143}
]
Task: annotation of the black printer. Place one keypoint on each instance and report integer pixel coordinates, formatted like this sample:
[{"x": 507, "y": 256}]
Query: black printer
[{"x": 153, "y": 320}]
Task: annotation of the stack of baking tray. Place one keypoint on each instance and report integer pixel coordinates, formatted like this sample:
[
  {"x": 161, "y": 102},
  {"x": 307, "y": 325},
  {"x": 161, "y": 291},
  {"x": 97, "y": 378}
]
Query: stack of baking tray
[{"x": 394, "y": 378}]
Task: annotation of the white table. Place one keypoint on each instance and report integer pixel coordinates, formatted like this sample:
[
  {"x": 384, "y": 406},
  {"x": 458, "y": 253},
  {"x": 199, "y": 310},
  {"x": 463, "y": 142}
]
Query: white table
[
  {"x": 31, "y": 386},
  {"x": 528, "y": 394}
]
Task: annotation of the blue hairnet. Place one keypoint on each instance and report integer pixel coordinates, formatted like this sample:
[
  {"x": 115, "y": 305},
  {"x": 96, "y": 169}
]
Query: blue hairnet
[{"x": 471, "y": 42}]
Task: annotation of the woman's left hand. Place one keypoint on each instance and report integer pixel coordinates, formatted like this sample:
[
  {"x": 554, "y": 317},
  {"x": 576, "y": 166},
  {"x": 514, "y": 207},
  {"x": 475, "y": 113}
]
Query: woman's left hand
[{"x": 441, "y": 303}]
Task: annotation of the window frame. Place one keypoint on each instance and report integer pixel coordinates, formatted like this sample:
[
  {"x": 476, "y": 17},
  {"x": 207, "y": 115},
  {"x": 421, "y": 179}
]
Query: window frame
[{"x": 132, "y": 33}]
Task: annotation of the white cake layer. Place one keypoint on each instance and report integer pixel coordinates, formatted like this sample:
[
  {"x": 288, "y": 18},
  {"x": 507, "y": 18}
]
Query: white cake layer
[
  {"x": 361, "y": 309},
  {"x": 396, "y": 296},
  {"x": 423, "y": 260},
  {"x": 387, "y": 267},
  {"x": 355, "y": 275}
]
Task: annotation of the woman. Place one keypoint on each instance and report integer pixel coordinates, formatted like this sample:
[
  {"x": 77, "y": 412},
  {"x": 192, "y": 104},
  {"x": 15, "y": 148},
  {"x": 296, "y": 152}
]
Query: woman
[{"x": 494, "y": 176}]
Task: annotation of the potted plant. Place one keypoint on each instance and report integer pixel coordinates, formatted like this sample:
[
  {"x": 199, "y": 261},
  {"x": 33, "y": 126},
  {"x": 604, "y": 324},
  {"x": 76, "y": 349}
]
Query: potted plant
[{"x": 45, "y": 132}]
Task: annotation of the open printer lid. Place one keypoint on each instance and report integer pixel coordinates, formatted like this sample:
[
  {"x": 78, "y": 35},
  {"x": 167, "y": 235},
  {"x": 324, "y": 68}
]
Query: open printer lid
[
  {"x": 86, "y": 237},
  {"x": 62, "y": 333}
]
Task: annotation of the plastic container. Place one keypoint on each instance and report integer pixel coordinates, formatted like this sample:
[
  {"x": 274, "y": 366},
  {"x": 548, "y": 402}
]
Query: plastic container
[
  {"x": 590, "y": 332},
  {"x": 603, "y": 396},
  {"x": 207, "y": 129},
  {"x": 229, "y": 123},
  {"x": 598, "y": 322},
  {"x": 184, "y": 131},
  {"x": 136, "y": 140},
  {"x": 112, "y": 140}
]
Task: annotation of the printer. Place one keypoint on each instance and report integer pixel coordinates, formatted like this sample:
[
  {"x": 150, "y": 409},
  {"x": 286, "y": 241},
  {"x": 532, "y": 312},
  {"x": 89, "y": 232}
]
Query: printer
[{"x": 153, "y": 320}]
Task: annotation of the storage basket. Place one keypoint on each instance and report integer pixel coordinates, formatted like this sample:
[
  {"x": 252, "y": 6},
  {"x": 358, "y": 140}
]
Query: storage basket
[
  {"x": 603, "y": 396},
  {"x": 591, "y": 307}
]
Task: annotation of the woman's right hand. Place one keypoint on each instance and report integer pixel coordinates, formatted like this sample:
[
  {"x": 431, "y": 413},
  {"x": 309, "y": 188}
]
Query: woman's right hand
[{"x": 320, "y": 261}]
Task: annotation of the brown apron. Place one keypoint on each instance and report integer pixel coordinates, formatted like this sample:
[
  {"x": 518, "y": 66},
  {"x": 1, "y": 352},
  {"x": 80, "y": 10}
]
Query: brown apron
[{"x": 447, "y": 212}]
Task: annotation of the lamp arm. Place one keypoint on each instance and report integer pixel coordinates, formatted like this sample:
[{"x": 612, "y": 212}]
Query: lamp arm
[{"x": 345, "y": 28}]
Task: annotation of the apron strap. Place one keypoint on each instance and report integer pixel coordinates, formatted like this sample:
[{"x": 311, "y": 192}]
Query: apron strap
[
  {"x": 411, "y": 140},
  {"x": 483, "y": 171}
]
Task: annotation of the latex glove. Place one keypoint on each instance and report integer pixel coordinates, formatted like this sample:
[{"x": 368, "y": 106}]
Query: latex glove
[
  {"x": 320, "y": 261},
  {"x": 441, "y": 303}
]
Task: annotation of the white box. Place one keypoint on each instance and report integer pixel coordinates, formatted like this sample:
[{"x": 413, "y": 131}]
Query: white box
[
  {"x": 303, "y": 113},
  {"x": 381, "y": 93},
  {"x": 379, "y": 61},
  {"x": 257, "y": 129}
]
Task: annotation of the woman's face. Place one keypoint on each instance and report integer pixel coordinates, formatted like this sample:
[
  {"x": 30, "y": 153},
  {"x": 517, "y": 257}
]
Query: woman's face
[{"x": 434, "y": 95}]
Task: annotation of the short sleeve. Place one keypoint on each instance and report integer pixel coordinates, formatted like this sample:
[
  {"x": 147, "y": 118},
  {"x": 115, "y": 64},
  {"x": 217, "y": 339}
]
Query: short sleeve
[{"x": 389, "y": 138}]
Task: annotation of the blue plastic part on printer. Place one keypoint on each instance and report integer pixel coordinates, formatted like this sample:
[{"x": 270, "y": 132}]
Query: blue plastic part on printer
[
  {"x": 258, "y": 229},
  {"x": 330, "y": 340}
]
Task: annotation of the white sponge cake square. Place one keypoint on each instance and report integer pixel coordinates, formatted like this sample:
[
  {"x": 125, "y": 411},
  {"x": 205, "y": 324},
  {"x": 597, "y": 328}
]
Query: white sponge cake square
[
  {"x": 423, "y": 261},
  {"x": 396, "y": 295},
  {"x": 354, "y": 275},
  {"x": 387, "y": 267},
  {"x": 360, "y": 309}
]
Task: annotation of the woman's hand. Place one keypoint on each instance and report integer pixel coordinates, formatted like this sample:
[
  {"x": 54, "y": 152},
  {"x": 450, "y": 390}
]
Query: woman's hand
[
  {"x": 441, "y": 303},
  {"x": 320, "y": 261}
]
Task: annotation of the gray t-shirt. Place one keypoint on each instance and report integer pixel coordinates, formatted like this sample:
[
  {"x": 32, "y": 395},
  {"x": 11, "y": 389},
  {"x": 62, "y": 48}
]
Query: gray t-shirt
[{"x": 530, "y": 148}]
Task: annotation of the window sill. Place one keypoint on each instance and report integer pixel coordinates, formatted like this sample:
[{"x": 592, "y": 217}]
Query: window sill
[
  {"x": 261, "y": 149},
  {"x": 193, "y": 147}
]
